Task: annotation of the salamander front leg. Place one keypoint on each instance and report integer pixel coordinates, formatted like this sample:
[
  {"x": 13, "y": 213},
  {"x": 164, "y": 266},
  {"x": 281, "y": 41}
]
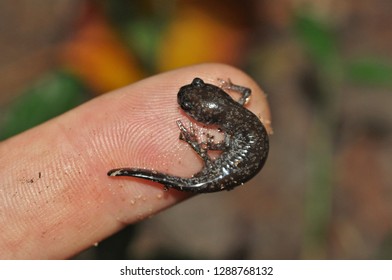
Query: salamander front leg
[
  {"x": 244, "y": 91},
  {"x": 189, "y": 136}
]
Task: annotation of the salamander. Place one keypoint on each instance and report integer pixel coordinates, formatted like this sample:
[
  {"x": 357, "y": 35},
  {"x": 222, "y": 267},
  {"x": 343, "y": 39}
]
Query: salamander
[{"x": 244, "y": 148}]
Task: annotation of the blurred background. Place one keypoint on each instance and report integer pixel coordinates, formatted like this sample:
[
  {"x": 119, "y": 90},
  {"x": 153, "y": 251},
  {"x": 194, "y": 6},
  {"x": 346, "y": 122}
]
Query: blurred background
[{"x": 326, "y": 66}]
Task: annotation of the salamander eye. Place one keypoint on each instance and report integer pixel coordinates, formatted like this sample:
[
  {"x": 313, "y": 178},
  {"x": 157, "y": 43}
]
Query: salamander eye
[
  {"x": 197, "y": 82},
  {"x": 186, "y": 106}
]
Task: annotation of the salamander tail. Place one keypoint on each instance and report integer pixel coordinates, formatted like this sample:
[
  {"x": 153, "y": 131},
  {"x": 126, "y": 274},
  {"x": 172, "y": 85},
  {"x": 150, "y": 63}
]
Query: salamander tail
[{"x": 168, "y": 180}]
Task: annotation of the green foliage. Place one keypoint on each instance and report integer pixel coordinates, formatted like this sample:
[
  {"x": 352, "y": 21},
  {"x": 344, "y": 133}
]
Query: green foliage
[
  {"x": 317, "y": 38},
  {"x": 321, "y": 44},
  {"x": 54, "y": 94},
  {"x": 369, "y": 71},
  {"x": 331, "y": 70}
]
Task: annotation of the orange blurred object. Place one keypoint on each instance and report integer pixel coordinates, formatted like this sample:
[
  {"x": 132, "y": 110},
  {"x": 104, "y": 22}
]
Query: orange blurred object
[
  {"x": 199, "y": 33},
  {"x": 99, "y": 57}
]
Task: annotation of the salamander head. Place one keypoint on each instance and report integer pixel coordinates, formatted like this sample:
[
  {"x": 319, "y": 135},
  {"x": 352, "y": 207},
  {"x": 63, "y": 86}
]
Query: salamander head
[{"x": 205, "y": 103}]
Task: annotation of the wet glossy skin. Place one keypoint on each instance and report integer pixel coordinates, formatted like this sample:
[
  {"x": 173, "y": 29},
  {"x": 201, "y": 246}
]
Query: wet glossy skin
[{"x": 244, "y": 148}]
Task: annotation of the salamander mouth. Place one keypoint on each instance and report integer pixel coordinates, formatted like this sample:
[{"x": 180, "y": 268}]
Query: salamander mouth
[{"x": 188, "y": 100}]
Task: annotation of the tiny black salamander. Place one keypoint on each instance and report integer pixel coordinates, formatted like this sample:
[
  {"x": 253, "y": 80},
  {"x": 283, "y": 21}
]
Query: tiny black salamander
[{"x": 244, "y": 147}]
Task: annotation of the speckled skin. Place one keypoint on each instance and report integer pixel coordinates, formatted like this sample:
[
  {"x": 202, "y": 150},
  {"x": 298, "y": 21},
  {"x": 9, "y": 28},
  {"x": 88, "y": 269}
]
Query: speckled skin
[{"x": 244, "y": 148}]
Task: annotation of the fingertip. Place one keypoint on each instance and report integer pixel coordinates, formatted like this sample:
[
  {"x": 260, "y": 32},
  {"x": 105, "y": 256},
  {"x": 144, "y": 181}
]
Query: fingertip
[{"x": 133, "y": 126}]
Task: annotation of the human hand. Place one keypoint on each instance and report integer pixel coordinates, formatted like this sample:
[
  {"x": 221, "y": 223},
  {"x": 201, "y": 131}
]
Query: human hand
[{"x": 55, "y": 196}]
